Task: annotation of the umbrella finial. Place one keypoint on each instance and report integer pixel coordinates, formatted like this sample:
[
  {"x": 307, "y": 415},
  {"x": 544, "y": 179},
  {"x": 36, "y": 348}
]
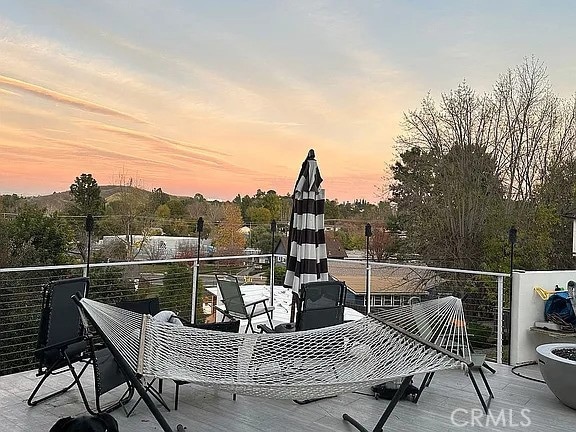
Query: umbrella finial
[{"x": 311, "y": 154}]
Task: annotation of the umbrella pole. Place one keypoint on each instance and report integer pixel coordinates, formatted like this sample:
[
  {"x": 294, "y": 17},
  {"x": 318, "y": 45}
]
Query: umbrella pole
[
  {"x": 368, "y": 234},
  {"x": 272, "y": 268}
]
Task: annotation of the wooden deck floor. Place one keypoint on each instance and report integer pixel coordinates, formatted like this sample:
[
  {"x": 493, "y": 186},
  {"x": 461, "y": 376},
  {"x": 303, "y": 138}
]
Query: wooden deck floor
[{"x": 206, "y": 410}]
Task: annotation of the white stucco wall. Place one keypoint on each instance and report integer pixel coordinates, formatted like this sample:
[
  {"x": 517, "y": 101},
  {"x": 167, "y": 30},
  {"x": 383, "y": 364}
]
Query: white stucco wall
[{"x": 528, "y": 307}]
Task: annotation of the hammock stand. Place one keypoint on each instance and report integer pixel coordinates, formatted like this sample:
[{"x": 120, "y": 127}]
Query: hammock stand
[
  {"x": 451, "y": 360},
  {"x": 408, "y": 379},
  {"x": 449, "y": 332}
]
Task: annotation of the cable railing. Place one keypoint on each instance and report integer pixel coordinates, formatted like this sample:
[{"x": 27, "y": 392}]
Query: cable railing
[{"x": 177, "y": 281}]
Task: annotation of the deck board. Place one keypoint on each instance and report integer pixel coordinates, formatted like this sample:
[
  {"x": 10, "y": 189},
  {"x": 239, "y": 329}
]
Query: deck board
[{"x": 208, "y": 410}]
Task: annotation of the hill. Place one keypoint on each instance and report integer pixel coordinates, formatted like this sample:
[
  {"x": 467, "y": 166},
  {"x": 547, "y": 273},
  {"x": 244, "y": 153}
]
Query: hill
[{"x": 59, "y": 201}]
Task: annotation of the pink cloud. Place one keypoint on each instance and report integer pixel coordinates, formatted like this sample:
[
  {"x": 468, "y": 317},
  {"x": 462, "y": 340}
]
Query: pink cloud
[{"x": 63, "y": 98}]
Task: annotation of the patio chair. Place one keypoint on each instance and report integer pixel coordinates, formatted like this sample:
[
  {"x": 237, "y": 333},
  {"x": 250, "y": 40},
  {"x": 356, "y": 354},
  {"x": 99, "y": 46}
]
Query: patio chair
[
  {"x": 149, "y": 306},
  {"x": 227, "y": 326},
  {"x": 236, "y": 307},
  {"x": 320, "y": 304},
  {"x": 63, "y": 341}
]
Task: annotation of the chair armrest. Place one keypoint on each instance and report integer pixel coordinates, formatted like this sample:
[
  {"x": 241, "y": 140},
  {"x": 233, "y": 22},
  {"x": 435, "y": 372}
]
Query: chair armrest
[
  {"x": 256, "y": 301},
  {"x": 265, "y": 329},
  {"x": 280, "y": 328},
  {"x": 224, "y": 312},
  {"x": 60, "y": 344}
]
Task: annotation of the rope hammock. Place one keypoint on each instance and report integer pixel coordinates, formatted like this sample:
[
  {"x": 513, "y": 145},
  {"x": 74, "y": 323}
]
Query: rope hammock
[
  {"x": 440, "y": 321},
  {"x": 299, "y": 365}
]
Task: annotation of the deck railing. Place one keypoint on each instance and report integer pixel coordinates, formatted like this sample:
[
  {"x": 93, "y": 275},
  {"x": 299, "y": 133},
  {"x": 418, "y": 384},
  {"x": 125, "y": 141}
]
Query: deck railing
[{"x": 177, "y": 281}]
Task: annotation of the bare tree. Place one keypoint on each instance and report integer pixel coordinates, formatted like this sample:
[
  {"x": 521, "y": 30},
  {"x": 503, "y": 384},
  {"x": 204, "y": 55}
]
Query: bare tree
[
  {"x": 471, "y": 165},
  {"x": 127, "y": 210},
  {"x": 381, "y": 244}
]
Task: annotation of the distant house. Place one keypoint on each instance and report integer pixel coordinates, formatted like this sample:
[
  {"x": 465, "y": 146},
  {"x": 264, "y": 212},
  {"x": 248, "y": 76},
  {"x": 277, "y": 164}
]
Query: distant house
[
  {"x": 334, "y": 248},
  {"x": 390, "y": 286},
  {"x": 157, "y": 247}
]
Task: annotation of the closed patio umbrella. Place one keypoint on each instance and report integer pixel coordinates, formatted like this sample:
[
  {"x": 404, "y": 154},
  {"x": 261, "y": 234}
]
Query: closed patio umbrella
[{"x": 306, "y": 259}]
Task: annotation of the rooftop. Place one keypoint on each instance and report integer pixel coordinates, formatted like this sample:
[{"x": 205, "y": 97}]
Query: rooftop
[
  {"x": 384, "y": 280},
  {"x": 450, "y": 401}
]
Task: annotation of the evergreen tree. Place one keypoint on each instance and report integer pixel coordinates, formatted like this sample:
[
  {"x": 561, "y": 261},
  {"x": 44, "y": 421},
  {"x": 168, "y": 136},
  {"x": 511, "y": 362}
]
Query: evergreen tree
[{"x": 86, "y": 196}]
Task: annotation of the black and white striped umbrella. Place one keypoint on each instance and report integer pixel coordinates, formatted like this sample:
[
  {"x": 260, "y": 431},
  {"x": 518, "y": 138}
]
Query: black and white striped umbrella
[{"x": 306, "y": 259}]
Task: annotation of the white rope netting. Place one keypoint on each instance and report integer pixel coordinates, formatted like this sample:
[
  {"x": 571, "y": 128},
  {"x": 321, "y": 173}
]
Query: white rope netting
[
  {"x": 440, "y": 321},
  {"x": 299, "y": 365}
]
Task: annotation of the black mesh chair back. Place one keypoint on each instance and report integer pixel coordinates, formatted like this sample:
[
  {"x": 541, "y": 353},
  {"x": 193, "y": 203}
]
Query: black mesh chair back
[
  {"x": 109, "y": 374},
  {"x": 236, "y": 307},
  {"x": 232, "y": 296},
  {"x": 321, "y": 305},
  {"x": 149, "y": 306},
  {"x": 60, "y": 322},
  {"x": 63, "y": 341}
]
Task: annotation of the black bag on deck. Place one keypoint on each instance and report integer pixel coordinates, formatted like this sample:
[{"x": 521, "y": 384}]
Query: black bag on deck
[{"x": 387, "y": 391}]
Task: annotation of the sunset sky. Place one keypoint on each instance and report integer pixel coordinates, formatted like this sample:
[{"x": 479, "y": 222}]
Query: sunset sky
[{"x": 225, "y": 97}]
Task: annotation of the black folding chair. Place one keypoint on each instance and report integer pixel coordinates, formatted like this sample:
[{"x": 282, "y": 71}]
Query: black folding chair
[
  {"x": 63, "y": 341},
  {"x": 320, "y": 304},
  {"x": 148, "y": 306},
  {"x": 236, "y": 307}
]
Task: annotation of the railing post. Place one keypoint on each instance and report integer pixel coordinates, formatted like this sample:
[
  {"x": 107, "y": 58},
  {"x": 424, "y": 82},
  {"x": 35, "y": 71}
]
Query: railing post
[
  {"x": 368, "y": 287},
  {"x": 500, "y": 327},
  {"x": 194, "y": 291}
]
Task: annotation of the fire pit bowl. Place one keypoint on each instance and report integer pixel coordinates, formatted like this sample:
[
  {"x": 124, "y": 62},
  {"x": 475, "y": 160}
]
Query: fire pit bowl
[{"x": 557, "y": 363}]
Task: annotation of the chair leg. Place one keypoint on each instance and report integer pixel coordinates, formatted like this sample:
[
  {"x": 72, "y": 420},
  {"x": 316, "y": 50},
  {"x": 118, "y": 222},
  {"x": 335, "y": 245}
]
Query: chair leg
[
  {"x": 124, "y": 399},
  {"x": 250, "y": 319},
  {"x": 79, "y": 384},
  {"x": 269, "y": 317},
  {"x": 47, "y": 374},
  {"x": 149, "y": 388},
  {"x": 249, "y": 324}
]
